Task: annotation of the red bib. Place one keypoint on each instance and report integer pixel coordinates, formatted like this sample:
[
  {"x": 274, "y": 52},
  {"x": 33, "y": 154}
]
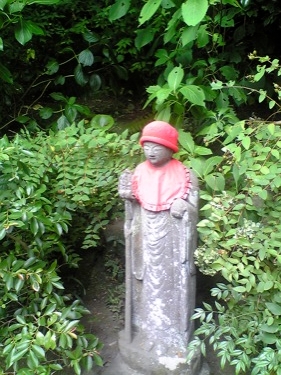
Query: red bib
[{"x": 157, "y": 187}]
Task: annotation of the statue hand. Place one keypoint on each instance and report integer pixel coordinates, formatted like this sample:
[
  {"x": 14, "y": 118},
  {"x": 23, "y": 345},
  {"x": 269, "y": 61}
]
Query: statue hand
[
  {"x": 125, "y": 185},
  {"x": 178, "y": 208}
]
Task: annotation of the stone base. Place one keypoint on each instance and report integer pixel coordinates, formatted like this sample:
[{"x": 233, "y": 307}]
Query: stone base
[{"x": 150, "y": 363}]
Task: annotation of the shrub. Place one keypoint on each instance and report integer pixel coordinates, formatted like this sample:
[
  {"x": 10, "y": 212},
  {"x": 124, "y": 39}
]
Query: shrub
[
  {"x": 47, "y": 183},
  {"x": 240, "y": 239}
]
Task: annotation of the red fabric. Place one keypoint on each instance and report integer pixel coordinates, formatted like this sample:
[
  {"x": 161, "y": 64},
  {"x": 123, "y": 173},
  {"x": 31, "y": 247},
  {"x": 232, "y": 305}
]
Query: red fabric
[
  {"x": 162, "y": 133},
  {"x": 156, "y": 188}
]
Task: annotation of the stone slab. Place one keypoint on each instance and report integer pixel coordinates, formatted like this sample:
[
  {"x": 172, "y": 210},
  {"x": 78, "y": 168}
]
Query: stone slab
[{"x": 119, "y": 367}]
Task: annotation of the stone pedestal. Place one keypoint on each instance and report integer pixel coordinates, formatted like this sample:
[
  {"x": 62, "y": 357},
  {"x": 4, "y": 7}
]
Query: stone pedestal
[{"x": 152, "y": 362}]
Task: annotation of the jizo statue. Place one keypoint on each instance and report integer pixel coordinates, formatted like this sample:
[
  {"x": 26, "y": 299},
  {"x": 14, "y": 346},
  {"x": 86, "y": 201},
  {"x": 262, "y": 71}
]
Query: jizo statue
[{"x": 161, "y": 204}]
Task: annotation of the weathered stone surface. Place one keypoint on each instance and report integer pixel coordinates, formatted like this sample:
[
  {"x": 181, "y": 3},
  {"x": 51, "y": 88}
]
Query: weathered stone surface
[
  {"x": 161, "y": 238},
  {"x": 152, "y": 363}
]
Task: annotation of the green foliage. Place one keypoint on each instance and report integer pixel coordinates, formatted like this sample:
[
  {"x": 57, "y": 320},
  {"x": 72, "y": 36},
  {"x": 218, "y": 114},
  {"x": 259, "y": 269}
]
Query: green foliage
[
  {"x": 16, "y": 28},
  {"x": 240, "y": 239},
  {"x": 203, "y": 43},
  {"x": 74, "y": 49},
  {"x": 59, "y": 115},
  {"x": 183, "y": 90},
  {"x": 51, "y": 186}
]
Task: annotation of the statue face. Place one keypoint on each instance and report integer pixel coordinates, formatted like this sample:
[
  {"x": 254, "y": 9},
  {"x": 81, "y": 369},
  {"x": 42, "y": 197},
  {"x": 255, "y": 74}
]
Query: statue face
[{"x": 156, "y": 154}]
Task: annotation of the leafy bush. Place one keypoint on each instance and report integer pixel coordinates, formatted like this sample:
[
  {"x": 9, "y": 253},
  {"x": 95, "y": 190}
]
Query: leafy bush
[
  {"x": 201, "y": 44},
  {"x": 240, "y": 239},
  {"x": 70, "y": 46},
  {"x": 47, "y": 183}
]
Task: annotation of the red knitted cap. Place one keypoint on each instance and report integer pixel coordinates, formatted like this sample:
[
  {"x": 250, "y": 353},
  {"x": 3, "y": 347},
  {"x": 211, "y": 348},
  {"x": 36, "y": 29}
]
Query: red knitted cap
[{"x": 162, "y": 133}]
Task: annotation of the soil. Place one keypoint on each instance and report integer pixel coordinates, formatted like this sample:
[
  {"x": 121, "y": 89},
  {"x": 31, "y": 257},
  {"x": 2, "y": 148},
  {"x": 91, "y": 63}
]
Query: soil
[{"x": 106, "y": 318}]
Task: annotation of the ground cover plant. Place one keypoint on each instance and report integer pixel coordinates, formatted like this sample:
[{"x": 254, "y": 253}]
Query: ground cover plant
[{"x": 47, "y": 183}]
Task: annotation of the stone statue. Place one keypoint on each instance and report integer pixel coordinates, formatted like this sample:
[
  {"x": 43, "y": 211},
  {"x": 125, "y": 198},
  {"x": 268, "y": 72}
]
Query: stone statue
[{"x": 161, "y": 205}]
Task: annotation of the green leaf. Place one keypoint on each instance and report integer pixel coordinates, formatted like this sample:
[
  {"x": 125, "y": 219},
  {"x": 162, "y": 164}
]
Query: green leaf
[
  {"x": 35, "y": 285},
  {"x": 167, "y": 4},
  {"x": 164, "y": 114},
  {"x": 193, "y": 11},
  {"x": 210, "y": 163},
  {"x": 22, "y": 32},
  {"x": 203, "y": 36},
  {"x": 269, "y": 338},
  {"x": 148, "y": 10},
  {"x": 18, "y": 285},
  {"x": 274, "y": 308},
  {"x": 38, "y": 351},
  {"x": 34, "y": 28},
  {"x": 273, "y": 328},
  {"x": 52, "y": 67},
  {"x": 2, "y": 233},
  {"x": 119, "y": 9},
  {"x": 186, "y": 141},
  {"x": 34, "y": 226},
  {"x": 3, "y": 3},
  {"x": 70, "y": 113},
  {"x": 46, "y": 113},
  {"x": 98, "y": 360},
  {"x": 34, "y": 361},
  {"x": 88, "y": 362},
  {"x": 16, "y": 6},
  {"x": 86, "y": 58},
  {"x": 199, "y": 150},
  {"x": 246, "y": 142},
  {"x": 5, "y": 74},
  {"x": 90, "y": 37},
  {"x": 271, "y": 128},
  {"x": 229, "y": 73},
  {"x": 57, "y": 285},
  {"x": 260, "y": 74},
  {"x": 194, "y": 94},
  {"x": 95, "y": 82},
  {"x": 264, "y": 170},
  {"x": 144, "y": 37},
  {"x": 79, "y": 75},
  {"x": 262, "y": 95},
  {"x": 175, "y": 77},
  {"x": 102, "y": 121},
  {"x": 20, "y": 319},
  {"x": 1, "y": 44},
  {"x": 189, "y": 34},
  {"x": 43, "y": 2},
  {"x": 15, "y": 355},
  {"x": 58, "y": 96},
  {"x": 9, "y": 280},
  {"x": 50, "y": 309},
  {"x": 55, "y": 366},
  {"x": 198, "y": 166},
  {"x": 76, "y": 367},
  {"x": 216, "y": 181}
]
